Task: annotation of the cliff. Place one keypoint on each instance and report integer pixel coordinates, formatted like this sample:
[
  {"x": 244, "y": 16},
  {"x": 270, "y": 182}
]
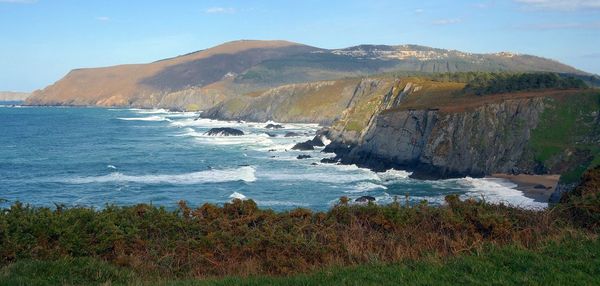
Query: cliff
[
  {"x": 317, "y": 102},
  {"x": 430, "y": 129}
]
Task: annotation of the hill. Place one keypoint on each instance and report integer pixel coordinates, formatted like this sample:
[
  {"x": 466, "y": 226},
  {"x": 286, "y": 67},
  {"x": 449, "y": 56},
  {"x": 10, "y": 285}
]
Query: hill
[
  {"x": 205, "y": 78},
  {"x": 13, "y": 96}
]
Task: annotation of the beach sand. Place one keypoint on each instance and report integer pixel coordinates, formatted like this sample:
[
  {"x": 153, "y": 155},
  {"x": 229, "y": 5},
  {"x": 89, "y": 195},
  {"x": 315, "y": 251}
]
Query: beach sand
[{"x": 531, "y": 185}]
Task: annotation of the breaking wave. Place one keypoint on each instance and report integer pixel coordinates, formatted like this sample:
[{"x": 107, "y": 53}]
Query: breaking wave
[{"x": 246, "y": 174}]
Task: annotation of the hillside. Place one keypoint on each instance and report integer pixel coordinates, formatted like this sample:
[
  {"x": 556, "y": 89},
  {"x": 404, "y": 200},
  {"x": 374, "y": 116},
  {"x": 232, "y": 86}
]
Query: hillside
[
  {"x": 13, "y": 96},
  {"x": 205, "y": 78}
]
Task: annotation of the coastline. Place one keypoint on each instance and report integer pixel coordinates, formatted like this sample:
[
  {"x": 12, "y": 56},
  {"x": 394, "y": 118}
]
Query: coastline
[{"x": 531, "y": 185}]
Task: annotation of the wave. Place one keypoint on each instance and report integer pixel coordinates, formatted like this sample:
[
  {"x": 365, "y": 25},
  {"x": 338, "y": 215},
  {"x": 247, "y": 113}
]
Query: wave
[
  {"x": 152, "y": 111},
  {"x": 393, "y": 176},
  {"x": 246, "y": 174},
  {"x": 237, "y": 195},
  {"x": 325, "y": 177},
  {"x": 497, "y": 190},
  {"x": 362, "y": 187},
  {"x": 272, "y": 203},
  {"x": 149, "y": 118}
]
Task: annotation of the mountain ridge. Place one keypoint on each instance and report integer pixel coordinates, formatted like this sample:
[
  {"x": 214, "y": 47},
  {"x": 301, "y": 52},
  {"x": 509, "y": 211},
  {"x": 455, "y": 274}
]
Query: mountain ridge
[{"x": 210, "y": 76}]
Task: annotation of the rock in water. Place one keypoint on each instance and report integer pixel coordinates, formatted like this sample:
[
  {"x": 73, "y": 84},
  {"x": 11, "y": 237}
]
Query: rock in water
[
  {"x": 273, "y": 126},
  {"x": 329, "y": 160},
  {"x": 303, "y": 157},
  {"x": 224, "y": 131},
  {"x": 304, "y": 146},
  {"x": 317, "y": 141},
  {"x": 291, "y": 134},
  {"x": 365, "y": 199}
]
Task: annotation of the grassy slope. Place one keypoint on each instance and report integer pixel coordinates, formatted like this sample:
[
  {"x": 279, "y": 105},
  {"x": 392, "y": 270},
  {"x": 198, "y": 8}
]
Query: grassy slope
[
  {"x": 566, "y": 133},
  {"x": 573, "y": 262}
]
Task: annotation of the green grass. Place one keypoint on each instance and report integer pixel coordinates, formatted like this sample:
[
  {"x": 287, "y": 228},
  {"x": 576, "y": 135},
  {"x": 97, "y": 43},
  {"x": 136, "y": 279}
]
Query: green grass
[
  {"x": 573, "y": 261},
  {"x": 65, "y": 271},
  {"x": 565, "y": 125}
]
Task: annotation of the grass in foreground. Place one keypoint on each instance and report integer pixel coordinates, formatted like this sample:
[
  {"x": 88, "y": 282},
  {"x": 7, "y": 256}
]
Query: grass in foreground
[{"x": 574, "y": 261}]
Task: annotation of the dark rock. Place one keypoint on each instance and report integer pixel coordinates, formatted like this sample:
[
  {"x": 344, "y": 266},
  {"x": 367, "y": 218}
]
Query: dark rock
[
  {"x": 291, "y": 134},
  {"x": 273, "y": 126},
  {"x": 317, "y": 141},
  {"x": 365, "y": 199},
  {"x": 272, "y": 150},
  {"x": 224, "y": 131},
  {"x": 303, "y": 157},
  {"x": 271, "y": 134},
  {"x": 329, "y": 160},
  {"x": 314, "y": 164},
  {"x": 540, "y": 186},
  {"x": 304, "y": 146}
]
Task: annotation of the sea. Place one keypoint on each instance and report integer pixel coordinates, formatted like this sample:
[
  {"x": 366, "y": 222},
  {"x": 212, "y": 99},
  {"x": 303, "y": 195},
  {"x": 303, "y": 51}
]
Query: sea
[{"x": 94, "y": 157}]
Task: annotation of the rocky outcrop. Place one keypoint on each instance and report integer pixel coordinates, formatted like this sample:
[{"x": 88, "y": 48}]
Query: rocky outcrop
[
  {"x": 317, "y": 102},
  {"x": 303, "y": 146},
  {"x": 224, "y": 131},
  {"x": 490, "y": 139}
]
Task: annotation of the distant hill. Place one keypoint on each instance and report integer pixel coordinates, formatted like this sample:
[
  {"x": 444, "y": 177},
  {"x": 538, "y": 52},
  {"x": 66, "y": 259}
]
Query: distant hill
[
  {"x": 13, "y": 96},
  {"x": 205, "y": 78}
]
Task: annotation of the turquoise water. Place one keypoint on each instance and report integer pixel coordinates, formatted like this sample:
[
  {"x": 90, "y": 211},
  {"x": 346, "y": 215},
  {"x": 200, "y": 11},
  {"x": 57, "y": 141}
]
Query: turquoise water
[{"x": 94, "y": 157}]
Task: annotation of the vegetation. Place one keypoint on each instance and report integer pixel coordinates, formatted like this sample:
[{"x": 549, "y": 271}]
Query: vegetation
[
  {"x": 573, "y": 261},
  {"x": 494, "y": 83},
  {"x": 145, "y": 242},
  {"x": 565, "y": 141}
]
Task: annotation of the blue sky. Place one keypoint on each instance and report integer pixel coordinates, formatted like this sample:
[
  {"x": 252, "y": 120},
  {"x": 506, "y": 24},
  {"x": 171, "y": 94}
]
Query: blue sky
[{"x": 41, "y": 40}]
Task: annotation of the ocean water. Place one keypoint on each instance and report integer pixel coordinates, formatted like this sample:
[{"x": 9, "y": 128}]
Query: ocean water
[{"x": 96, "y": 156}]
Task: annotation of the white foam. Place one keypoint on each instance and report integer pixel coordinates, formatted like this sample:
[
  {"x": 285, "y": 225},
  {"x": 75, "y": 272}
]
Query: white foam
[
  {"x": 271, "y": 203},
  {"x": 149, "y": 118},
  {"x": 362, "y": 187},
  {"x": 246, "y": 174},
  {"x": 326, "y": 177},
  {"x": 111, "y": 167},
  {"x": 393, "y": 176},
  {"x": 237, "y": 195},
  {"x": 498, "y": 191},
  {"x": 152, "y": 111}
]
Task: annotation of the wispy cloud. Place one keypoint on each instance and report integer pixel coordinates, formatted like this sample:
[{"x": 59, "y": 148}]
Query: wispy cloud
[
  {"x": 444, "y": 22},
  {"x": 18, "y": 1},
  {"x": 103, "y": 18},
  {"x": 219, "y": 10},
  {"x": 419, "y": 11},
  {"x": 562, "y": 5}
]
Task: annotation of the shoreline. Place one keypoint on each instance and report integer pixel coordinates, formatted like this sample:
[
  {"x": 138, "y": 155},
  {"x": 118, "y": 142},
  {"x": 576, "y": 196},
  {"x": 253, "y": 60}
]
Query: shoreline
[{"x": 537, "y": 187}]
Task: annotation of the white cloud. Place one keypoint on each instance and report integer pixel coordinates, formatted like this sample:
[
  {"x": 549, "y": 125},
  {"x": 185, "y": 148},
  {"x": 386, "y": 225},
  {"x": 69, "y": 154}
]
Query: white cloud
[
  {"x": 103, "y": 18},
  {"x": 444, "y": 22},
  {"x": 419, "y": 11},
  {"x": 564, "y": 5},
  {"x": 219, "y": 10}
]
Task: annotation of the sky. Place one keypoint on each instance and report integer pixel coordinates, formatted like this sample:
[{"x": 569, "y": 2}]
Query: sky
[{"x": 42, "y": 40}]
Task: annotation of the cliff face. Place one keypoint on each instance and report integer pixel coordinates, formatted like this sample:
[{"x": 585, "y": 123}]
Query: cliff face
[
  {"x": 550, "y": 132},
  {"x": 492, "y": 138},
  {"x": 318, "y": 102}
]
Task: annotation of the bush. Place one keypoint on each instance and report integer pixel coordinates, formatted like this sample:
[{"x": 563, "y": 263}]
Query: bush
[{"x": 238, "y": 238}]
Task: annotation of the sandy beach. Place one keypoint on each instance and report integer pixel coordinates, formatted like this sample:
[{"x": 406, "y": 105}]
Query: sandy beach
[{"x": 537, "y": 187}]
